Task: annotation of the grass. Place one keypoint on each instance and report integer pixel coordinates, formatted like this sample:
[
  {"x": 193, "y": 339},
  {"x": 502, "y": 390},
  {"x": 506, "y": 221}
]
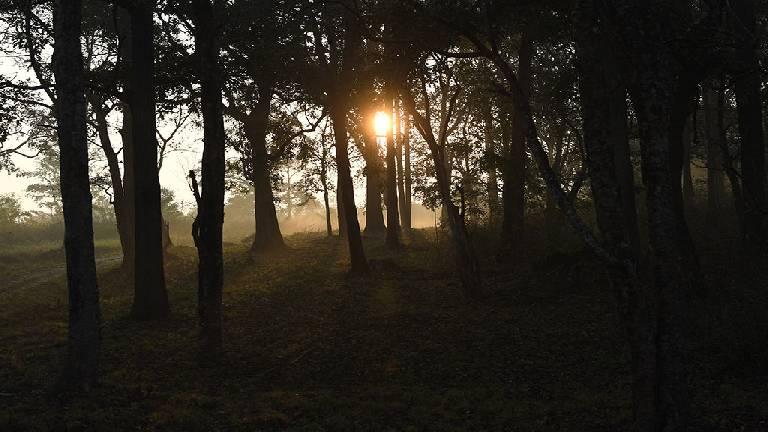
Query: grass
[{"x": 308, "y": 348}]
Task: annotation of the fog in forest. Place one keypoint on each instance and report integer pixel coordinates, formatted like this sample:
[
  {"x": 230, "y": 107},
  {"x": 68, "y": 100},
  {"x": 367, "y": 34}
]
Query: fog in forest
[{"x": 383, "y": 215}]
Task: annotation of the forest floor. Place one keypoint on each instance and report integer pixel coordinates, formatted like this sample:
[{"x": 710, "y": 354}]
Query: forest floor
[{"x": 308, "y": 348}]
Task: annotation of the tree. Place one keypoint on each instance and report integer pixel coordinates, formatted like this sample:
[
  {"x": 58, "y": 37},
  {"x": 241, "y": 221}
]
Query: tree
[
  {"x": 750, "y": 113},
  {"x": 343, "y": 58},
  {"x": 10, "y": 210},
  {"x": 150, "y": 296},
  {"x": 393, "y": 217},
  {"x": 84, "y": 340},
  {"x": 207, "y": 230}
]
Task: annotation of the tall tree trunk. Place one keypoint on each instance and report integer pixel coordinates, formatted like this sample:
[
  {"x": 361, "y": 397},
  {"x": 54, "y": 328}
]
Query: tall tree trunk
[
  {"x": 682, "y": 106},
  {"x": 514, "y": 172},
  {"x": 715, "y": 172},
  {"x": 604, "y": 135},
  {"x": 324, "y": 181},
  {"x": 688, "y": 141},
  {"x": 393, "y": 216},
  {"x": 750, "y": 114},
  {"x": 374, "y": 215},
  {"x": 490, "y": 148},
  {"x": 84, "y": 341},
  {"x": 126, "y": 134},
  {"x": 466, "y": 259},
  {"x": 401, "y": 199},
  {"x": 210, "y": 219},
  {"x": 340, "y": 216},
  {"x": 338, "y": 114},
  {"x": 113, "y": 164},
  {"x": 408, "y": 180},
  {"x": 267, "y": 235},
  {"x": 616, "y": 100},
  {"x": 151, "y": 298}
]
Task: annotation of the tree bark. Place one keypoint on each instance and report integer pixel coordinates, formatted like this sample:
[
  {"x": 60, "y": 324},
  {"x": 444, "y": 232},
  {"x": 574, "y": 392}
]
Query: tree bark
[
  {"x": 750, "y": 114},
  {"x": 151, "y": 298},
  {"x": 84, "y": 340},
  {"x": 393, "y": 217},
  {"x": 210, "y": 218}
]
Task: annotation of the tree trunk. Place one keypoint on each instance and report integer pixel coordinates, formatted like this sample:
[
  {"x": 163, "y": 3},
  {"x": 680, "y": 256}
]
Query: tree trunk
[
  {"x": 113, "y": 164},
  {"x": 151, "y": 298},
  {"x": 606, "y": 147},
  {"x": 211, "y": 207},
  {"x": 408, "y": 181},
  {"x": 374, "y": 215},
  {"x": 715, "y": 172},
  {"x": 401, "y": 199},
  {"x": 126, "y": 134},
  {"x": 688, "y": 139},
  {"x": 466, "y": 259},
  {"x": 750, "y": 114},
  {"x": 338, "y": 114},
  {"x": 84, "y": 340},
  {"x": 267, "y": 235},
  {"x": 490, "y": 148},
  {"x": 514, "y": 172},
  {"x": 324, "y": 181},
  {"x": 393, "y": 217}
]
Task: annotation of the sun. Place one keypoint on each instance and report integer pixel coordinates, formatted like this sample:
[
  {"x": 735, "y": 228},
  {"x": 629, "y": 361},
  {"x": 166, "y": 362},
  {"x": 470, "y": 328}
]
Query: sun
[{"x": 381, "y": 124}]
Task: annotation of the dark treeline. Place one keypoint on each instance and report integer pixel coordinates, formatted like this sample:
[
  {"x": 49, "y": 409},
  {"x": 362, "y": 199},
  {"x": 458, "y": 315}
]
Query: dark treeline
[{"x": 614, "y": 112}]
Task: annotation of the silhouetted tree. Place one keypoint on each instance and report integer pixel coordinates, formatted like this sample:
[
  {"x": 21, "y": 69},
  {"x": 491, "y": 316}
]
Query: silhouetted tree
[{"x": 84, "y": 342}]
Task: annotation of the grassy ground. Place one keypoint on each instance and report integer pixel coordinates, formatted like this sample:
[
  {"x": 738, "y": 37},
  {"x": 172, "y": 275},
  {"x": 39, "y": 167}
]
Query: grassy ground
[{"x": 310, "y": 349}]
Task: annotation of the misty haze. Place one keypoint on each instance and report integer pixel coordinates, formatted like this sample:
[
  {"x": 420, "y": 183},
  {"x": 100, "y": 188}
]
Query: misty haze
[{"x": 383, "y": 215}]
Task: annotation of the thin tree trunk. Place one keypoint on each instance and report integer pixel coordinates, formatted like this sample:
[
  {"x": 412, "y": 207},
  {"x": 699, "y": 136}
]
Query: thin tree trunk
[
  {"x": 402, "y": 201},
  {"x": 84, "y": 340},
  {"x": 211, "y": 207},
  {"x": 126, "y": 134},
  {"x": 688, "y": 132},
  {"x": 338, "y": 113},
  {"x": 151, "y": 298},
  {"x": 490, "y": 148},
  {"x": 324, "y": 181},
  {"x": 393, "y": 216},
  {"x": 408, "y": 181},
  {"x": 750, "y": 114},
  {"x": 466, "y": 259},
  {"x": 113, "y": 164}
]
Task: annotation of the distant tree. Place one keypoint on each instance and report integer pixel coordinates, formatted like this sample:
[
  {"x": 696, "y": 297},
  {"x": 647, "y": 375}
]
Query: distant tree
[
  {"x": 10, "y": 210},
  {"x": 46, "y": 191}
]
